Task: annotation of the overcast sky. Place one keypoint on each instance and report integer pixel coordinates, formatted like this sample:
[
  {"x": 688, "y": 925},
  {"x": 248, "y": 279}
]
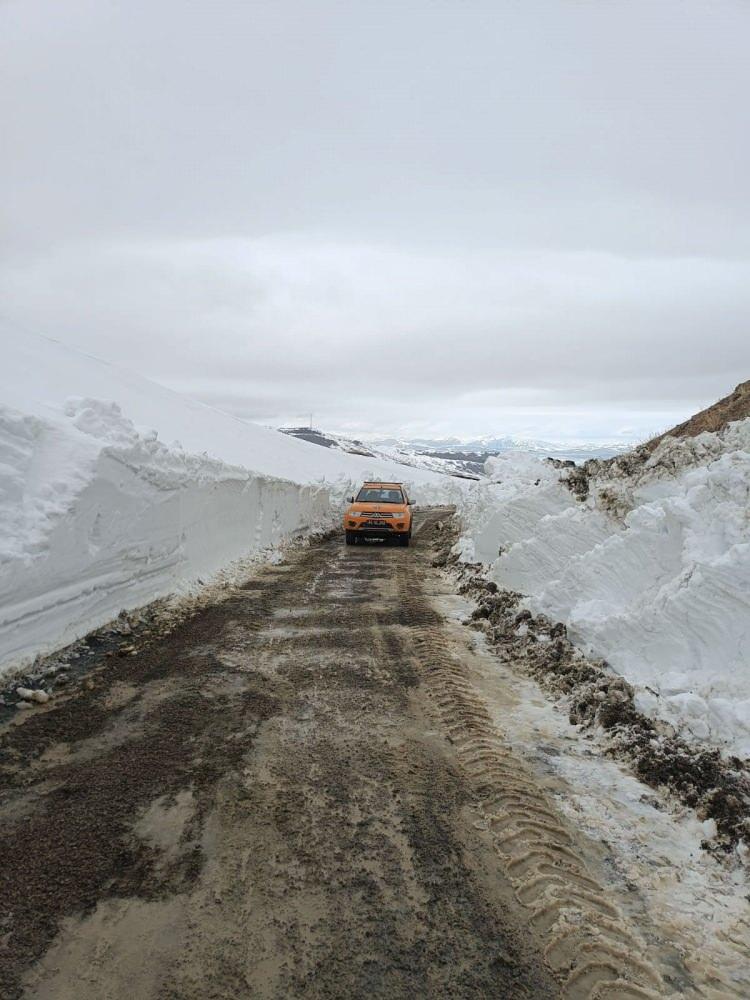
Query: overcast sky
[{"x": 422, "y": 217}]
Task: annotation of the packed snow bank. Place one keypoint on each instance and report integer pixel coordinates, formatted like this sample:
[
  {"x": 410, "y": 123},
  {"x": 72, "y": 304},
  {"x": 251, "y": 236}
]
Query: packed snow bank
[
  {"x": 98, "y": 514},
  {"x": 651, "y": 571},
  {"x": 99, "y": 517}
]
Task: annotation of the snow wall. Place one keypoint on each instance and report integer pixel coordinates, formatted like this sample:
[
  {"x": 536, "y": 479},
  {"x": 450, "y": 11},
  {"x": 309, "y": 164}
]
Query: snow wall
[
  {"x": 651, "y": 571},
  {"x": 101, "y": 518}
]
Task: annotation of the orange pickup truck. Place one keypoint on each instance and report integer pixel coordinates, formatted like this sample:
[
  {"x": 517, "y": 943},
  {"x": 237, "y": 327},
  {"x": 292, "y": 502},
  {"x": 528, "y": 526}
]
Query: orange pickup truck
[{"x": 380, "y": 510}]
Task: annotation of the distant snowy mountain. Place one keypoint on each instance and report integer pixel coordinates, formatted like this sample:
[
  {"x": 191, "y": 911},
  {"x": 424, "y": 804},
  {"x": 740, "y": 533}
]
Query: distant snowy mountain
[
  {"x": 577, "y": 451},
  {"x": 464, "y": 459}
]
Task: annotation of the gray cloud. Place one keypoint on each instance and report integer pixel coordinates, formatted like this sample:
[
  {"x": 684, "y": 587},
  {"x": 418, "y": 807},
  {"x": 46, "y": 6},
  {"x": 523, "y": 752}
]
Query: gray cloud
[{"x": 424, "y": 215}]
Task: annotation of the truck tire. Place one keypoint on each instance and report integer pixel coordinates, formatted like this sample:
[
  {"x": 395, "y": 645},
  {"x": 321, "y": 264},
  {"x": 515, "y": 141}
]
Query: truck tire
[
  {"x": 405, "y": 538},
  {"x": 351, "y": 538}
]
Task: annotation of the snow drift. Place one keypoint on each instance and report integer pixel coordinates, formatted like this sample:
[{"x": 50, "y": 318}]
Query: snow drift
[
  {"x": 651, "y": 571},
  {"x": 98, "y": 514}
]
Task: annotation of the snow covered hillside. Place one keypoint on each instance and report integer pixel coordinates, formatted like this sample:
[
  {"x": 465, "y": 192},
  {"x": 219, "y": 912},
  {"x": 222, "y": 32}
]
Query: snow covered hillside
[
  {"x": 450, "y": 456},
  {"x": 647, "y": 561},
  {"x": 402, "y": 455},
  {"x": 98, "y": 513}
]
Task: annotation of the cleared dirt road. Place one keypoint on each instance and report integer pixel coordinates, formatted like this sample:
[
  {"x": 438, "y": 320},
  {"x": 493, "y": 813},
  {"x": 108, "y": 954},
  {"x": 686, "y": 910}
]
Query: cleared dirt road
[{"x": 299, "y": 793}]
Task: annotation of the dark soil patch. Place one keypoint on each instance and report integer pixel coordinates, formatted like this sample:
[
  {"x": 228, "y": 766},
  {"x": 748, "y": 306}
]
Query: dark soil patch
[
  {"x": 735, "y": 406},
  {"x": 77, "y": 847}
]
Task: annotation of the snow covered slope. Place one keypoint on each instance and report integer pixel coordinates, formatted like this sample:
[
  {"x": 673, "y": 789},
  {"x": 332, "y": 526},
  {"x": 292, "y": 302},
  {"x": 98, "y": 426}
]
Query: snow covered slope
[
  {"x": 651, "y": 570},
  {"x": 98, "y": 514},
  {"x": 37, "y": 375},
  {"x": 445, "y": 465}
]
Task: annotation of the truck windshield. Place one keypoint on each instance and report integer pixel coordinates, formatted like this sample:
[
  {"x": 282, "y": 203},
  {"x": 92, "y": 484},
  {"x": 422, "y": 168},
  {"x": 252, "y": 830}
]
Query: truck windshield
[{"x": 370, "y": 494}]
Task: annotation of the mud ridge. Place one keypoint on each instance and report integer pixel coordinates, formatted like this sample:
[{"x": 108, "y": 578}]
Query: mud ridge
[{"x": 716, "y": 785}]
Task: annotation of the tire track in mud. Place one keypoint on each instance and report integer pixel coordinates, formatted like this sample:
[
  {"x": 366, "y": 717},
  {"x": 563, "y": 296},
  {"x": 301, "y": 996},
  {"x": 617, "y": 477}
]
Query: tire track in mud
[
  {"x": 592, "y": 946},
  {"x": 589, "y": 943}
]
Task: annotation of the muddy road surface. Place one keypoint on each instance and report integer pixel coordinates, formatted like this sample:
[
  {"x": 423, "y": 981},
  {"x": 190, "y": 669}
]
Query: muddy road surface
[{"x": 299, "y": 793}]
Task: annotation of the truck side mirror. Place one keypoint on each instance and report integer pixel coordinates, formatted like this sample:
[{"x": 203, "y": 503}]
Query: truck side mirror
[{"x": 351, "y": 499}]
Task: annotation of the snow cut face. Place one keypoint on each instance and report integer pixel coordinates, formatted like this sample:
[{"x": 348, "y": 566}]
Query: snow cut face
[
  {"x": 41, "y": 470},
  {"x": 96, "y": 517},
  {"x": 651, "y": 571}
]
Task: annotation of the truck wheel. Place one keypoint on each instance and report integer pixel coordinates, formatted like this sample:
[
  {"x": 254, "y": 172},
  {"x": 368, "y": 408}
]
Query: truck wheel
[
  {"x": 405, "y": 538},
  {"x": 350, "y": 538}
]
